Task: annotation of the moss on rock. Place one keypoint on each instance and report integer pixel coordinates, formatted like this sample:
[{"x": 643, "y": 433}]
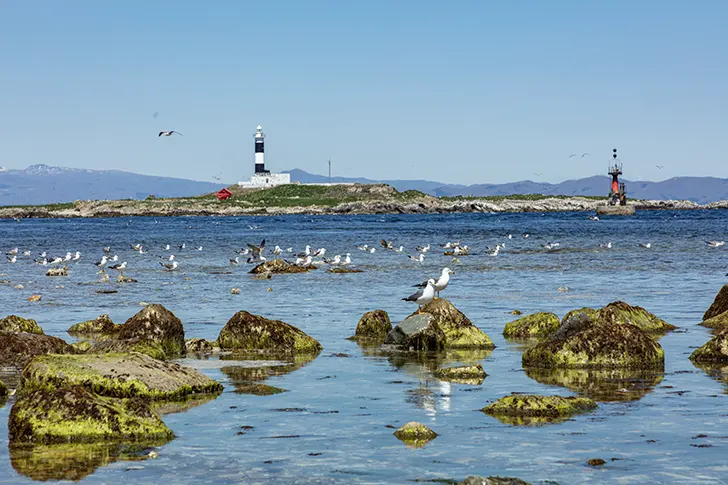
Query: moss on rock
[
  {"x": 248, "y": 332},
  {"x": 719, "y": 305},
  {"x": 200, "y": 346},
  {"x": 415, "y": 434},
  {"x": 82, "y": 346},
  {"x": 117, "y": 375},
  {"x": 536, "y": 325},
  {"x": 373, "y": 325},
  {"x": 622, "y": 313},
  {"x": 465, "y": 374},
  {"x": 475, "y": 480},
  {"x": 14, "y": 323},
  {"x": 715, "y": 350},
  {"x": 719, "y": 321},
  {"x": 75, "y": 414},
  {"x": 257, "y": 389},
  {"x": 459, "y": 331},
  {"x": 580, "y": 342},
  {"x": 590, "y": 312},
  {"x": 114, "y": 346},
  {"x": 529, "y": 405},
  {"x": 19, "y": 348},
  {"x": 100, "y": 326},
  {"x": 279, "y": 266},
  {"x": 3, "y": 390},
  {"x": 156, "y": 325}
]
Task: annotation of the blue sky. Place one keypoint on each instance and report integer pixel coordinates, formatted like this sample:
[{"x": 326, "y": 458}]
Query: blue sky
[{"x": 460, "y": 92}]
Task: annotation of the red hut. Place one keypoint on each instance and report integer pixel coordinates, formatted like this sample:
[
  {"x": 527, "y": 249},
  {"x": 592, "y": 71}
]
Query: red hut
[{"x": 224, "y": 194}]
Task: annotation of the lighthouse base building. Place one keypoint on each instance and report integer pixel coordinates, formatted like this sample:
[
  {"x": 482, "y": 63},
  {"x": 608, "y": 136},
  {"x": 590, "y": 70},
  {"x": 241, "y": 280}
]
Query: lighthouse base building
[{"x": 263, "y": 178}]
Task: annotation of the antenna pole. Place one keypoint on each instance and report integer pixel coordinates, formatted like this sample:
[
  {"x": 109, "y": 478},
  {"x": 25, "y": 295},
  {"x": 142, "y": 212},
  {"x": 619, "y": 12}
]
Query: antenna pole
[{"x": 329, "y": 170}]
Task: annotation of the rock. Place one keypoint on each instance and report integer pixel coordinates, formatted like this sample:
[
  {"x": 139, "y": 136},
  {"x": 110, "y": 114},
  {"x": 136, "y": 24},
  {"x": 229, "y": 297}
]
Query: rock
[
  {"x": 125, "y": 279},
  {"x": 117, "y": 375},
  {"x": 536, "y": 325},
  {"x": 155, "y": 324},
  {"x": 719, "y": 305},
  {"x": 459, "y": 331},
  {"x": 417, "y": 332},
  {"x": 17, "y": 348},
  {"x": 200, "y": 346},
  {"x": 279, "y": 266},
  {"x": 121, "y": 346},
  {"x": 516, "y": 312},
  {"x": 590, "y": 312},
  {"x": 82, "y": 346},
  {"x": 3, "y": 390},
  {"x": 60, "y": 271},
  {"x": 82, "y": 416},
  {"x": 416, "y": 434},
  {"x": 235, "y": 291},
  {"x": 596, "y": 462},
  {"x": 719, "y": 321},
  {"x": 263, "y": 276},
  {"x": 532, "y": 406},
  {"x": 715, "y": 351},
  {"x": 580, "y": 342},
  {"x": 474, "y": 480},
  {"x": 373, "y": 325},
  {"x": 257, "y": 389},
  {"x": 345, "y": 270},
  {"x": 14, "y": 323},
  {"x": 34, "y": 298},
  {"x": 248, "y": 332},
  {"x": 621, "y": 312},
  {"x": 466, "y": 374},
  {"x": 100, "y": 326}
]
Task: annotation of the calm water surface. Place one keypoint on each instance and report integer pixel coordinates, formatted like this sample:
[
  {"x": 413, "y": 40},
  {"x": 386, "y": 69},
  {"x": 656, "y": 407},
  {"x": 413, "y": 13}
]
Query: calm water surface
[{"x": 334, "y": 423}]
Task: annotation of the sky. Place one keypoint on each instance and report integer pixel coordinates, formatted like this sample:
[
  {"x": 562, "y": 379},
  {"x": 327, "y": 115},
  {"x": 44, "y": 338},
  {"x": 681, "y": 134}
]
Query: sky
[{"x": 458, "y": 92}]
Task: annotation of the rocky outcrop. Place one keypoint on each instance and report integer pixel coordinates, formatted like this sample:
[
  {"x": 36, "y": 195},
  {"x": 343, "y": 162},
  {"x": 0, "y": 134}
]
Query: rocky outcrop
[
  {"x": 14, "y": 323},
  {"x": 581, "y": 342},
  {"x": 19, "y": 348},
  {"x": 75, "y": 414},
  {"x": 475, "y": 480},
  {"x": 157, "y": 327},
  {"x": 620, "y": 312},
  {"x": 248, "y": 332},
  {"x": 417, "y": 332},
  {"x": 116, "y": 346},
  {"x": 373, "y": 326},
  {"x": 59, "y": 271},
  {"x": 125, "y": 279},
  {"x": 715, "y": 351},
  {"x": 526, "y": 405},
  {"x": 101, "y": 326},
  {"x": 117, "y": 375},
  {"x": 3, "y": 390},
  {"x": 279, "y": 266},
  {"x": 200, "y": 346},
  {"x": 536, "y": 325},
  {"x": 590, "y": 312},
  {"x": 465, "y": 374},
  {"x": 459, "y": 331},
  {"x": 415, "y": 434},
  {"x": 719, "y": 305},
  {"x": 345, "y": 270}
]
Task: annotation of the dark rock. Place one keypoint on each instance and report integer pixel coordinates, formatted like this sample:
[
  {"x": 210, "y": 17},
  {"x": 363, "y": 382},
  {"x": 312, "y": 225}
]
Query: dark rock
[
  {"x": 345, "y": 270},
  {"x": 527, "y": 409},
  {"x": 715, "y": 351},
  {"x": 100, "y": 326},
  {"x": 200, "y": 346},
  {"x": 465, "y": 374},
  {"x": 622, "y": 313},
  {"x": 17, "y": 349},
  {"x": 156, "y": 325},
  {"x": 590, "y": 312},
  {"x": 60, "y": 271},
  {"x": 3, "y": 390},
  {"x": 248, "y": 332},
  {"x": 14, "y": 323},
  {"x": 374, "y": 325},
  {"x": 415, "y": 434},
  {"x": 536, "y": 325},
  {"x": 417, "y": 332},
  {"x": 459, "y": 331},
  {"x": 473, "y": 480},
  {"x": 124, "y": 346},
  {"x": 719, "y": 305},
  {"x": 596, "y": 462},
  {"x": 279, "y": 266},
  {"x": 257, "y": 389}
]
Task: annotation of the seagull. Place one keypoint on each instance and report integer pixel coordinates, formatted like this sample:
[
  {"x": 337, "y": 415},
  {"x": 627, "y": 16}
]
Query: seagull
[
  {"x": 333, "y": 262},
  {"x": 420, "y": 258},
  {"x": 135, "y": 247},
  {"x": 423, "y": 296},
  {"x": 450, "y": 245},
  {"x": 319, "y": 252},
  {"x": 256, "y": 252},
  {"x": 77, "y": 256},
  {"x": 26, "y": 253},
  {"x": 116, "y": 257},
  {"x": 199, "y": 248},
  {"x": 253, "y": 228},
  {"x": 495, "y": 251},
  {"x": 525, "y": 235},
  {"x": 573, "y": 155},
  {"x": 422, "y": 249},
  {"x": 169, "y": 266},
  {"x": 387, "y": 244},
  {"x": 68, "y": 257},
  {"x": 276, "y": 250},
  {"x": 12, "y": 259},
  {"x": 399, "y": 249},
  {"x": 372, "y": 250},
  {"x": 244, "y": 251},
  {"x": 107, "y": 249},
  {"x": 169, "y": 258},
  {"x": 182, "y": 246},
  {"x": 43, "y": 262},
  {"x": 584, "y": 155},
  {"x": 304, "y": 261},
  {"x": 166, "y": 247},
  {"x": 347, "y": 260},
  {"x": 646, "y": 246},
  {"x": 289, "y": 250},
  {"x": 593, "y": 218},
  {"x": 364, "y": 247},
  {"x": 305, "y": 253},
  {"x": 119, "y": 267},
  {"x": 659, "y": 167},
  {"x": 13, "y": 252},
  {"x": 606, "y": 246},
  {"x": 169, "y": 133},
  {"x": 235, "y": 261},
  {"x": 441, "y": 282},
  {"x": 43, "y": 254},
  {"x": 102, "y": 262},
  {"x": 551, "y": 245},
  {"x": 57, "y": 261},
  {"x": 715, "y": 244}
]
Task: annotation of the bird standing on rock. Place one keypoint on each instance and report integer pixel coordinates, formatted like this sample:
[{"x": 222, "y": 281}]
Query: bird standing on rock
[
  {"x": 423, "y": 296},
  {"x": 441, "y": 282}
]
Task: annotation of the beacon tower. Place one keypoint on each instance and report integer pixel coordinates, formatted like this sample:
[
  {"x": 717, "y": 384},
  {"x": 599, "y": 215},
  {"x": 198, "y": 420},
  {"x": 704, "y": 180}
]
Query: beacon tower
[
  {"x": 259, "y": 138},
  {"x": 263, "y": 178}
]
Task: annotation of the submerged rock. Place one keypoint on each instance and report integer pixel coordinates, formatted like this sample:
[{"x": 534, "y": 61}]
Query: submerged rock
[
  {"x": 117, "y": 346},
  {"x": 374, "y": 325},
  {"x": 117, "y": 375},
  {"x": 155, "y": 324},
  {"x": 459, "y": 331},
  {"x": 590, "y": 312},
  {"x": 719, "y": 305},
  {"x": 580, "y": 342},
  {"x": 125, "y": 279},
  {"x": 715, "y": 350},
  {"x": 18, "y": 348},
  {"x": 257, "y": 389},
  {"x": 415, "y": 434},
  {"x": 200, "y": 346},
  {"x": 59, "y": 271},
  {"x": 75, "y": 414},
  {"x": 345, "y": 270},
  {"x": 248, "y": 332},
  {"x": 279, "y": 266},
  {"x": 14, "y": 323},
  {"x": 536, "y": 325},
  {"x": 465, "y": 374},
  {"x": 595, "y": 462},
  {"x": 622, "y": 313},
  {"x": 475, "y": 480},
  {"x": 100, "y": 326},
  {"x": 528, "y": 405},
  {"x": 417, "y": 332}
]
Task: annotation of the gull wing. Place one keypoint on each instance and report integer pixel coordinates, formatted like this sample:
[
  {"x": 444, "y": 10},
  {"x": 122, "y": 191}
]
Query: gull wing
[{"x": 414, "y": 296}]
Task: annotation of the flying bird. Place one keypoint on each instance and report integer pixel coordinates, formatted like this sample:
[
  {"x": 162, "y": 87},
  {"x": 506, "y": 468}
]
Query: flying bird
[
  {"x": 715, "y": 244},
  {"x": 256, "y": 252},
  {"x": 584, "y": 155},
  {"x": 659, "y": 167},
  {"x": 573, "y": 155},
  {"x": 387, "y": 244},
  {"x": 169, "y": 133}
]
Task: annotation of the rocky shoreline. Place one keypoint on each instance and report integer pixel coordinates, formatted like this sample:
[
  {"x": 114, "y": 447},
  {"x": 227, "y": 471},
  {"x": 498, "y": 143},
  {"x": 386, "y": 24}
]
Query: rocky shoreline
[{"x": 423, "y": 205}]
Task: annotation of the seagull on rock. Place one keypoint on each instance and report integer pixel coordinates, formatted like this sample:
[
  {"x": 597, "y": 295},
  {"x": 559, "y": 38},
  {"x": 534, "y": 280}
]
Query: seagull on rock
[
  {"x": 423, "y": 296},
  {"x": 441, "y": 282}
]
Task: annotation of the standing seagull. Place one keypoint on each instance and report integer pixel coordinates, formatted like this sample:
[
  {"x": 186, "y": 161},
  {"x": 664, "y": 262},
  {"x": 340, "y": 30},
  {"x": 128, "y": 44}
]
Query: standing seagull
[
  {"x": 170, "y": 266},
  {"x": 441, "y": 282},
  {"x": 169, "y": 133},
  {"x": 423, "y": 296}
]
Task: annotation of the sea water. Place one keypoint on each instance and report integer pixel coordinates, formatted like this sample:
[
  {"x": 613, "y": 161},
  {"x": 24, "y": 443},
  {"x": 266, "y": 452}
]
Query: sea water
[{"x": 335, "y": 421}]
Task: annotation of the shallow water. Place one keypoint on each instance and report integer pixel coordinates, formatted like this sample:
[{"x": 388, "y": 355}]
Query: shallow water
[{"x": 334, "y": 422}]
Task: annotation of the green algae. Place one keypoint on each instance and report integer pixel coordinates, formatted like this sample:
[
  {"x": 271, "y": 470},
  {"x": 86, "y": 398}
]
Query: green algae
[
  {"x": 200, "y": 346},
  {"x": 719, "y": 321},
  {"x": 82, "y": 346},
  {"x": 714, "y": 351},
  {"x": 415, "y": 434},
  {"x": 459, "y": 331},
  {"x": 533, "y": 406},
  {"x": 467, "y": 374},
  {"x": 248, "y": 332},
  {"x": 536, "y": 325},
  {"x": 622, "y": 313},
  {"x": 14, "y": 323},
  {"x": 257, "y": 389},
  {"x": 117, "y": 375},
  {"x": 159, "y": 328},
  {"x": 154, "y": 350},
  {"x": 100, "y": 327},
  {"x": 75, "y": 414},
  {"x": 373, "y": 326}
]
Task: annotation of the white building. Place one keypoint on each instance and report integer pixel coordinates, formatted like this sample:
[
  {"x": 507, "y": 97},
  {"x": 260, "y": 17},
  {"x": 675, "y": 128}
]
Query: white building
[{"x": 263, "y": 178}]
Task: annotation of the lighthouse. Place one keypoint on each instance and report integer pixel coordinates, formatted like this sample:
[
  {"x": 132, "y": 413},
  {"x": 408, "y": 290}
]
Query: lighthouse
[
  {"x": 263, "y": 178},
  {"x": 259, "y": 138}
]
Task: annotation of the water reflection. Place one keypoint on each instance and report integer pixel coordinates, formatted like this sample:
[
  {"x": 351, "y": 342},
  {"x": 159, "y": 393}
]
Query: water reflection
[
  {"x": 601, "y": 384},
  {"x": 246, "y": 377},
  {"x": 528, "y": 420},
  {"x": 717, "y": 371}
]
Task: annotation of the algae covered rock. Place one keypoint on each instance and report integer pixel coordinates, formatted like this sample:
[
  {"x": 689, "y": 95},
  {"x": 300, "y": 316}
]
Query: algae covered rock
[
  {"x": 622, "y": 313},
  {"x": 536, "y": 325},
  {"x": 117, "y": 375},
  {"x": 279, "y": 266},
  {"x": 116, "y": 346},
  {"x": 533, "y": 406},
  {"x": 156, "y": 325},
  {"x": 200, "y": 346},
  {"x": 374, "y": 325},
  {"x": 475, "y": 480},
  {"x": 82, "y": 346},
  {"x": 719, "y": 321},
  {"x": 3, "y": 390},
  {"x": 460, "y": 333},
  {"x": 99, "y": 326},
  {"x": 19, "y": 348},
  {"x": 248, "y": 332},
  {"x": 415, "y": 434},
  {"x": 465, "y": 374},
  {"x": 257, "y": 389},
  {"x": 75, "y": 414},
  {"x": 580, "y": 342},
  {"x": 14, "y": 323},
  {"x": 590, "y": 312},
  {"x": 715, "y": 350},
  {"x": 417, "y": 332},
  {"x": 719, "y": 305}
]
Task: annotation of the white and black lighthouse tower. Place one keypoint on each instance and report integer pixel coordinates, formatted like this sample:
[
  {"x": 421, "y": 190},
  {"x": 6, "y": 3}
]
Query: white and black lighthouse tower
[{"x": 260, "y": 151}]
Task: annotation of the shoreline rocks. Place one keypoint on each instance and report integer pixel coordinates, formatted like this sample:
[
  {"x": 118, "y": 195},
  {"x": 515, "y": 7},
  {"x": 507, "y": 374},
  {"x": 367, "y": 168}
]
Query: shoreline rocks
[
  {"x": 536, "y": 325},
  {"x": 714, "y": 351},
  {"x": 417, "y": 332},
  {"x": 101, "y": 326},
  {"x": 623, "y": 313},
  {"x": 19, "y": 348},
  {"x": 279, "y": 266},
  {"x": 459, "y": 331},
  {"x": 534, "y": 406},
  {"x": 717, "y": 314},
  {"x": 373, "y": 326},
  {"x": 14, "y": 323},
  {"x": 155, "y": 327},
  {"x": 247, "y": 332},
  {"x": 466, "y": 374}
]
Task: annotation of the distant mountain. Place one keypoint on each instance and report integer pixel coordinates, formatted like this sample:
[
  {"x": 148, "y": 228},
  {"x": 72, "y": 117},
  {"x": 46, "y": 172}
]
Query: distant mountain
[
  {"x": 697, "y": 189},
  {"x": 44, "y": 184}
]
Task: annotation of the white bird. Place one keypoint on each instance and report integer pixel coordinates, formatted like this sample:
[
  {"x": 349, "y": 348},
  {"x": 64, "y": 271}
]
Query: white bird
[
  {"x": 319, "y": 252},
  {"x": 169, "y": 266},
  {"x": 56, "y": 261},
  {"x": 494, "y": 251},
  {"x": 593, "y": 218},
  {"x": 235, "y": 261},
  {"x": 450, "y": 245},
  {"x": 26, "y": 253},
  {"x": 551, "y": 245},
  {"x": 13, "y": 252},
  {"x": 606, "y": 246},
  {"x": 334, "y": 262},
  {"x": 347, "y": 260},
  {"x": 256, "y": 251},
  {"x": 277, "y": 250},
  {"x": 166, "y": 247},
  {"x": 387, "y": 244},
  {"x": 244, "y": 251},
  {"x": 646, "y": 246},
  {"x": 422, "y": 249},
  {"x": 305, "y": 253},
  {"x": 289, "y": 250},
  {"x": 304, "y": 261},
  {"x": 423, "y": 296},
  {"x": 77, "y": 256},
  {"x": 43, "y": 262},
  {"x": 43, "y": 254},
  {"x": 182, "y": 246},
  {"x": 119, "y": 267},
  {"x": 12, "y": 259},
  {"x": 364, "y": 247},
  {"x": 441, "y": 282},
  {"x": 169, "y": 133},
  {"x": 199, "y": 248},
  {"x": 525, "y": 235},
  {"x": 372, "y": 250},
  {"x": 399, "y": 249},
  {"x": 419, "y": 258},
  {"x": 68, "y": 257},
  {"x": 115, "y": 257},
  {"x": 107, "y": 249},
  {"x": 715, "y": 244},
  {"x": 509, "y": 236},
  {"x": 135, "y": 247},
  {"x": 102, "y": 262}
]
